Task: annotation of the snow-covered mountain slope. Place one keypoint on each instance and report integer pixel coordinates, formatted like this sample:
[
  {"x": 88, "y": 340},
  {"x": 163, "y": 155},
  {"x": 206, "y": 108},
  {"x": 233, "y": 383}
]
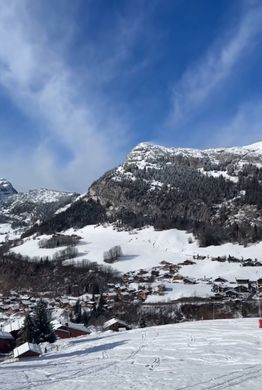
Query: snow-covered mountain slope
[
  {"x": 204, "y": 355},
  {"x": 214, "y": 193},
  {"x": 147, "y": 151},
  {"x": 147, "y": 249},
  {"x": 19, "y": 210}
]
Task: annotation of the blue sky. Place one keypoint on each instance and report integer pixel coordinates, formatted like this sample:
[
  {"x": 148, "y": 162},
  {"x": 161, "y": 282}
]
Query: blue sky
[{"x": 82, "y": 82}]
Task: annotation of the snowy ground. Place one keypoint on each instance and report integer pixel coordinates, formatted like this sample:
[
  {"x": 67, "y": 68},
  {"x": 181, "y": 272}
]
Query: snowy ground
[
  {"x": 176, "y": 291},
  {"x": 204, "y": 355},
  {"x": 147, "y": 248},
  {"x": 6, "y": 231}
]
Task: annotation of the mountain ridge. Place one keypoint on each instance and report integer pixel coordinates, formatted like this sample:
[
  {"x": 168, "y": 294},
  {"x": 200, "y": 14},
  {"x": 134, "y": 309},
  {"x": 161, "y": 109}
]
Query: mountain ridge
[
  {"x": 23, "y": 209},
  {"x": 214, "y": 193}
]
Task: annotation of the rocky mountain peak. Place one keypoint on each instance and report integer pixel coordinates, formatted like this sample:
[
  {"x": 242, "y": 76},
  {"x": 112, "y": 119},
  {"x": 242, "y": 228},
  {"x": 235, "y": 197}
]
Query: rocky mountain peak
[{"x": 6, "y": 189}]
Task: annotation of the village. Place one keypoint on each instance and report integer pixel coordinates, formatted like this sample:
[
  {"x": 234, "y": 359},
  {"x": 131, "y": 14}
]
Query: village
[{"x": 142, "y": 287}]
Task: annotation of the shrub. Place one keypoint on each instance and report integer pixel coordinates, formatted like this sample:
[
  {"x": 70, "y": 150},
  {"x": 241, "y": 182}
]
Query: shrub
[{"x": 113, "y": 254}]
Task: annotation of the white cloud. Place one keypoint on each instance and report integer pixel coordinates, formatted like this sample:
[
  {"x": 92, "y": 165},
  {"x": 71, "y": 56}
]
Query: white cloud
[
  {"x": 203, "y": 79},
  {"x": 36, "y": 76}
]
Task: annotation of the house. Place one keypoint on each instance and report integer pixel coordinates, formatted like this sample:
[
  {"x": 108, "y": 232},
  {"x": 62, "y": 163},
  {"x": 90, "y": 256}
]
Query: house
[
  {"x": 27, "y": 350},
  {"x": 188, "y": 262},
  {"x": 242, "y": 288},
  {"x": 220, "y": 280},
  {"x": 14, "y": 327},
  {"x": 231, "y": 294},
  {"x": 115, "y": 325},
  {"x": 69, "y": 329},
  {"x": 189, "y": 281},
  {"x": 7, "y": 342},
  {"x": 242, "y": 281}
]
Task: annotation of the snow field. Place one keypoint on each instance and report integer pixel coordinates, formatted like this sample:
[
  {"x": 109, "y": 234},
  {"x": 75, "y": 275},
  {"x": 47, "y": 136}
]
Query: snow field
[
  {"x": 204, "y": 355},
  {"x": 146, "y": 248}
]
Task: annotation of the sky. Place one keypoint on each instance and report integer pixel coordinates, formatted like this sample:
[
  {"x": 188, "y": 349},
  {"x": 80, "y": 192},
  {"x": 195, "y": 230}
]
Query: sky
[{"x": 82, "y": 82}]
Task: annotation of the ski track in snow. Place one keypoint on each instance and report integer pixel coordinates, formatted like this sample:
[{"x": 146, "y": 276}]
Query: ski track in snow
[{"x": 204, "y": 355}]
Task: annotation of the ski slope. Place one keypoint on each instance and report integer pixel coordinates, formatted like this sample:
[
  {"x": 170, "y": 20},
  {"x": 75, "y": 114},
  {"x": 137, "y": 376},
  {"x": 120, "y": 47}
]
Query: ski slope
[{"x": 204, "y": 355}]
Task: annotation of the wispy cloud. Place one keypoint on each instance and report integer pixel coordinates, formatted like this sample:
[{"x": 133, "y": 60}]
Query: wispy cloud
[
  {"x": 36, "y": 76},
  {"x": 245, "y": 127},
  {"x": 202, "y": 80}
]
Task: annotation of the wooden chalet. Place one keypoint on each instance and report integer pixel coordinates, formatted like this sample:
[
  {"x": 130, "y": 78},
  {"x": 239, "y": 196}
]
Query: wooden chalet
[
  {"x": 7, "y": 342},
  {"x": 220, "y": 280},
  {"x": 69, "y": 329},
  {"x": 14, "y": 327},
  {"x": 243, "y": 281},
  {"x": 115, "y": 325}
]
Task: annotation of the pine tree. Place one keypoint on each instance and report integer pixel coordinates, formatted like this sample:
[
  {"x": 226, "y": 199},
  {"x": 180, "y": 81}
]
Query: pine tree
[
  {"x": 86, "y": 318},
  {"x": 101, "y": 304},
  {"x": 43, "y": 326},
  {"x": 77, "y": 317},
  {"x": 28, "y": 333}
]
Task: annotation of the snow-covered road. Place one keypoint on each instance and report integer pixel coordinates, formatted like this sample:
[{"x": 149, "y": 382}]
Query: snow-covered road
[{"x": 205, "y": 355}]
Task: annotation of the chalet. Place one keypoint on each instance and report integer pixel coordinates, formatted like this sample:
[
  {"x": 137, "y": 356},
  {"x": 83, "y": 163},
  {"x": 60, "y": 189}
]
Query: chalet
[
  {"x": 187, "y": 262},
  {"x": 69, "y": 329},
  {"x": 242, "y": 288},
  {"x": 220, "y": 280},
  {"x": 219, "y": 259},
  {"x": 249, "y": 263},
  {"x": 189, "y": 281},
  {"x": 242, "y": 281},
  {"x": 164, "y": 262},
  {"x": 27, "y": 350},
  {"x": 7, "y": 342},
  {"x": 115, "y": 325},
  {"x": 231, "y": 294},
  {"x": 14, "y": 327},
  {"x": 232, "y": 259},
  {"x": 199, "y": 257}
]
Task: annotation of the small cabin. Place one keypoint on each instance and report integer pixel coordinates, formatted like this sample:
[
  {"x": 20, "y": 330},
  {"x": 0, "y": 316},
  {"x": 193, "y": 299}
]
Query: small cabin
[
  {"x": 14, "y": 327},
  {"x": 115, "y": 325},
  {"x": 242, "y": 281},
  {"x": 27, "y": 350},
  {"x": 69, "y": 329},
  {"x": 7, "y": 342}
]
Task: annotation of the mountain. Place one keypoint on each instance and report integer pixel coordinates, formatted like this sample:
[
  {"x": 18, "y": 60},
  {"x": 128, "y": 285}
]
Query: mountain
[
  {"x": 22, "y": 210},
  {"x": 6, "y": 189},
  {"x": 214, "y": 193}
]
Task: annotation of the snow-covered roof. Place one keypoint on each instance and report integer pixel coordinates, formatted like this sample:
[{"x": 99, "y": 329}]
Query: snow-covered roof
[
  {"x": 26, "y": 347},
  {"x": 72, "y": 325},
  {"x": 14, "y": 325},
  {"x": 5, "y": 336},
  {"x": 113, "y": 321}
]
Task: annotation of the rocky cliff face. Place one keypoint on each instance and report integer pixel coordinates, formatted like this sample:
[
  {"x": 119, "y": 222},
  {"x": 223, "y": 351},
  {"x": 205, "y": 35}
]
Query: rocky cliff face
[{"x": 214, "y": 193}]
